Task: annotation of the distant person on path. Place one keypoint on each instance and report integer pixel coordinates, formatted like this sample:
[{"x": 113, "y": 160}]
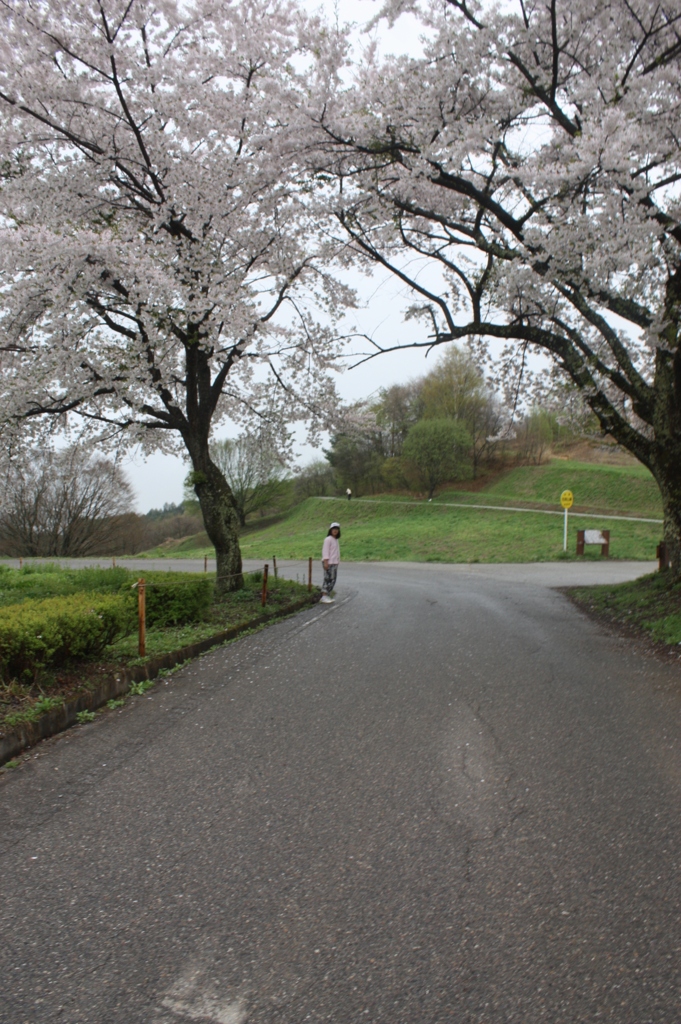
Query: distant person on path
[
  {"x": 349, "y": 493},
  {"x": 330, "y": 561}
]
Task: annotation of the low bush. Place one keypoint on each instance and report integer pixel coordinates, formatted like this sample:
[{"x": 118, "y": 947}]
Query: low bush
[
  {"x": 55, "y": 631},
  {"x": 173, "y": 598},
  {"x": 41, "y": 580}
]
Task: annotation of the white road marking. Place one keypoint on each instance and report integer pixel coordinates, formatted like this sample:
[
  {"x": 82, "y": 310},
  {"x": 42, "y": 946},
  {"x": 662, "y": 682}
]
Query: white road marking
[
  {"x": 321, "y": 615},
  {"x": 206, "y": 1009},
  {"x": 193, "y": 997}
]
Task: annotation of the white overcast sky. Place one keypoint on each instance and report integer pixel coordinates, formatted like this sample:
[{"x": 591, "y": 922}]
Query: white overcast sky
[{"x": 159, "y": 478}]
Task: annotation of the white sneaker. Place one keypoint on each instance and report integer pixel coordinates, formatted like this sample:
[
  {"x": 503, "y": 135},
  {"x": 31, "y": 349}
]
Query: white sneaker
[{"x": 325, "y": 599}]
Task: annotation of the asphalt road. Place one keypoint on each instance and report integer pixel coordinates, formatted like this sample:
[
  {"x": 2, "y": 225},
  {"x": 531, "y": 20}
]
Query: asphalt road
[
  {"x": 447, "y": 798},
  {"x": 551, "y": 574}
]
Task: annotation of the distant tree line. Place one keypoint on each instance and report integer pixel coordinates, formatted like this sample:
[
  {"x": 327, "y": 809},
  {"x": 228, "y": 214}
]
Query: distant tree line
[
  {"x": 70, "y": 504},
  {"x": 444, "y": 427}
]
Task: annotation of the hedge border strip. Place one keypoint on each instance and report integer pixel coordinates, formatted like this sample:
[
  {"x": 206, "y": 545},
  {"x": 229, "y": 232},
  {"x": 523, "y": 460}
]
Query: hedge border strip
[{"x": 26, "y": 735}]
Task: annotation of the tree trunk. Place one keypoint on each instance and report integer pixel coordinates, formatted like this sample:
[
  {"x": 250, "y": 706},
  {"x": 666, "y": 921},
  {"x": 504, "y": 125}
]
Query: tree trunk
[
  {"x": 665, "y": 463},
  {"x": 672, "y": 534},
  {"x": 219, "y": 516},
  {"x": 667, "y": 471}
]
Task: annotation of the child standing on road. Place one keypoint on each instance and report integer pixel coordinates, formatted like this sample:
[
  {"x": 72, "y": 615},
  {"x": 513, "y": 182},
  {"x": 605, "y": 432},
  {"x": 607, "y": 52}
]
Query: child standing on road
[{"x": 330, "y": 561}]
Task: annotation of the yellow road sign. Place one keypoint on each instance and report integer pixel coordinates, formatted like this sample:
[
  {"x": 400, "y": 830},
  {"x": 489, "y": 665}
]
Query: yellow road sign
[{"x": 567, "y": 499}]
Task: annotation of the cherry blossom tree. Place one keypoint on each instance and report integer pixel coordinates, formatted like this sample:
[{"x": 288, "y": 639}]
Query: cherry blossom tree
[
  {"x": 159, "y": 256},
  {"x": 531, "y": 160}
]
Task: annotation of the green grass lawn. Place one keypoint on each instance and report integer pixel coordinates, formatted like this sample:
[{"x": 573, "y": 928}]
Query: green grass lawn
[
  {"x": 35, "y": 582},
  {"x": 401, "y": 528},
  {"x": 383, "y": 531},
  {"x": 625, "y": 490}
]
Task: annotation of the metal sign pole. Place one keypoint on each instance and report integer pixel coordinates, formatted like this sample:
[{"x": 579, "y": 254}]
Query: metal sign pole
[
  {"x": 566, "y": 499},
  {"x": 565, "y": 532}
]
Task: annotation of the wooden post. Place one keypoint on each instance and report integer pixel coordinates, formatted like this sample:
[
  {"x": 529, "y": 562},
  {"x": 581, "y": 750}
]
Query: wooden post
[
  {"x": 264, "y": 584},
  {"x": 21, "y": 563},
  {"x": 142, "y": 617},
  {"x": 309, "y": 574},
  {"x": 580, "y": 542},
  {"x": 113, "y": 562},
  {"x": 205, "y": 563},
  {"x": 274, "y": 565},
  {"x": 662, "y": 559},
  {"x": 605, "y": 547}
]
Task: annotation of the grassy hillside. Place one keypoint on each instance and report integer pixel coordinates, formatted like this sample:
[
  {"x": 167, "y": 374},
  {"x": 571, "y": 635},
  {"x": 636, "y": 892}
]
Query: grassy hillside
[
  {"x": 384, "y": 531},
  {"x": 432, "y": 533},
  {"x": 627, "y": 489},
  {"x": 394, "y": 528}
]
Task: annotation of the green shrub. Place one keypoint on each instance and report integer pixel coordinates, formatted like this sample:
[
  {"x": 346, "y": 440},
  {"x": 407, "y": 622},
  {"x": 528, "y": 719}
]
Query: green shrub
[
  {"x": 173, "y": 598},
  {"x": 42, "y": 581},
  {"x": 53, "y": 632}
]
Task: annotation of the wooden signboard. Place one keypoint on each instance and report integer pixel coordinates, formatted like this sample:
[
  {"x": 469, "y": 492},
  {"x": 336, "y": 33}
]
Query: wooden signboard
[{"x": 601, "y": 537}]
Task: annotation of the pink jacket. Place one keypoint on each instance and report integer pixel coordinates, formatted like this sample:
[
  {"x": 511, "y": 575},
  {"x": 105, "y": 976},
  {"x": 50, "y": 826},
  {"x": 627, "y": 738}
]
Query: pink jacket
[{"x": 331, "y": 550}]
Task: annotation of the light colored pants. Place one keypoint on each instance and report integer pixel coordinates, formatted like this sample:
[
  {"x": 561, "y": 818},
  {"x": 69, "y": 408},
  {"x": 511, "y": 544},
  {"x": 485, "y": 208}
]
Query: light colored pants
[{"x": 329, "y": 579}]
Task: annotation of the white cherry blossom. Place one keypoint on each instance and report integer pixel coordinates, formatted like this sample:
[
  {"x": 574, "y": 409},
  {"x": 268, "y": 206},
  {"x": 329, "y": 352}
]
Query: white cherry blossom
[
  {"x": 160, "y": 254},
  {"x": 531, "y": 156}
]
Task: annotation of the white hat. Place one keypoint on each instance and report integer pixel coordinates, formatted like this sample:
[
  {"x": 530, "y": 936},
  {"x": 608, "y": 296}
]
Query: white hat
[{"x": 334, "y": 525}]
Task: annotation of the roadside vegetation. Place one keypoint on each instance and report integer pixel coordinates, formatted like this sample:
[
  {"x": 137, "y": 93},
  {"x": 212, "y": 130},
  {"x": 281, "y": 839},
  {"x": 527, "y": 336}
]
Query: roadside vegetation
[
  {"x": 651, "y": 604},
  {"x": 63, "y": 632}
]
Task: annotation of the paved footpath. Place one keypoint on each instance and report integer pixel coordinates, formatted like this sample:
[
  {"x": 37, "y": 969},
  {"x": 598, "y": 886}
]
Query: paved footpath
[{"x": 447, "y": 798}]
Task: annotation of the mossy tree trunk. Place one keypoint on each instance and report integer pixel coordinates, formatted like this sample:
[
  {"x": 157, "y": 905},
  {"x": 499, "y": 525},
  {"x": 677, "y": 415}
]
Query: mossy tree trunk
[
  {"x": 665, "y": 460},
  {"x": 217, "y": 502},
  {"x": 220, "y": 519}
]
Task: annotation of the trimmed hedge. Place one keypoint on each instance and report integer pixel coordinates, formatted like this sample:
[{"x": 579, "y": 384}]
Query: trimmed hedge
[
  {"x": 38, "y": 582},
  {"x": 38, "y": 632},
  {"x": 53, "y": 632},
  {"x": 173, "y": 598}
]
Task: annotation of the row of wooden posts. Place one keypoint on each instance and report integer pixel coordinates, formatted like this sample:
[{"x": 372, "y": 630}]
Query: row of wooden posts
[{"x": 142, "y": 599}]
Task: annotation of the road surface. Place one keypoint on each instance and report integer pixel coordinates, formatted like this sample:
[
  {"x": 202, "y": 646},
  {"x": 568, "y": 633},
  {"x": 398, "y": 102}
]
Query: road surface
[
  {"x": 551, "y": 574},
  {"x": 447, "y": 798}
]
